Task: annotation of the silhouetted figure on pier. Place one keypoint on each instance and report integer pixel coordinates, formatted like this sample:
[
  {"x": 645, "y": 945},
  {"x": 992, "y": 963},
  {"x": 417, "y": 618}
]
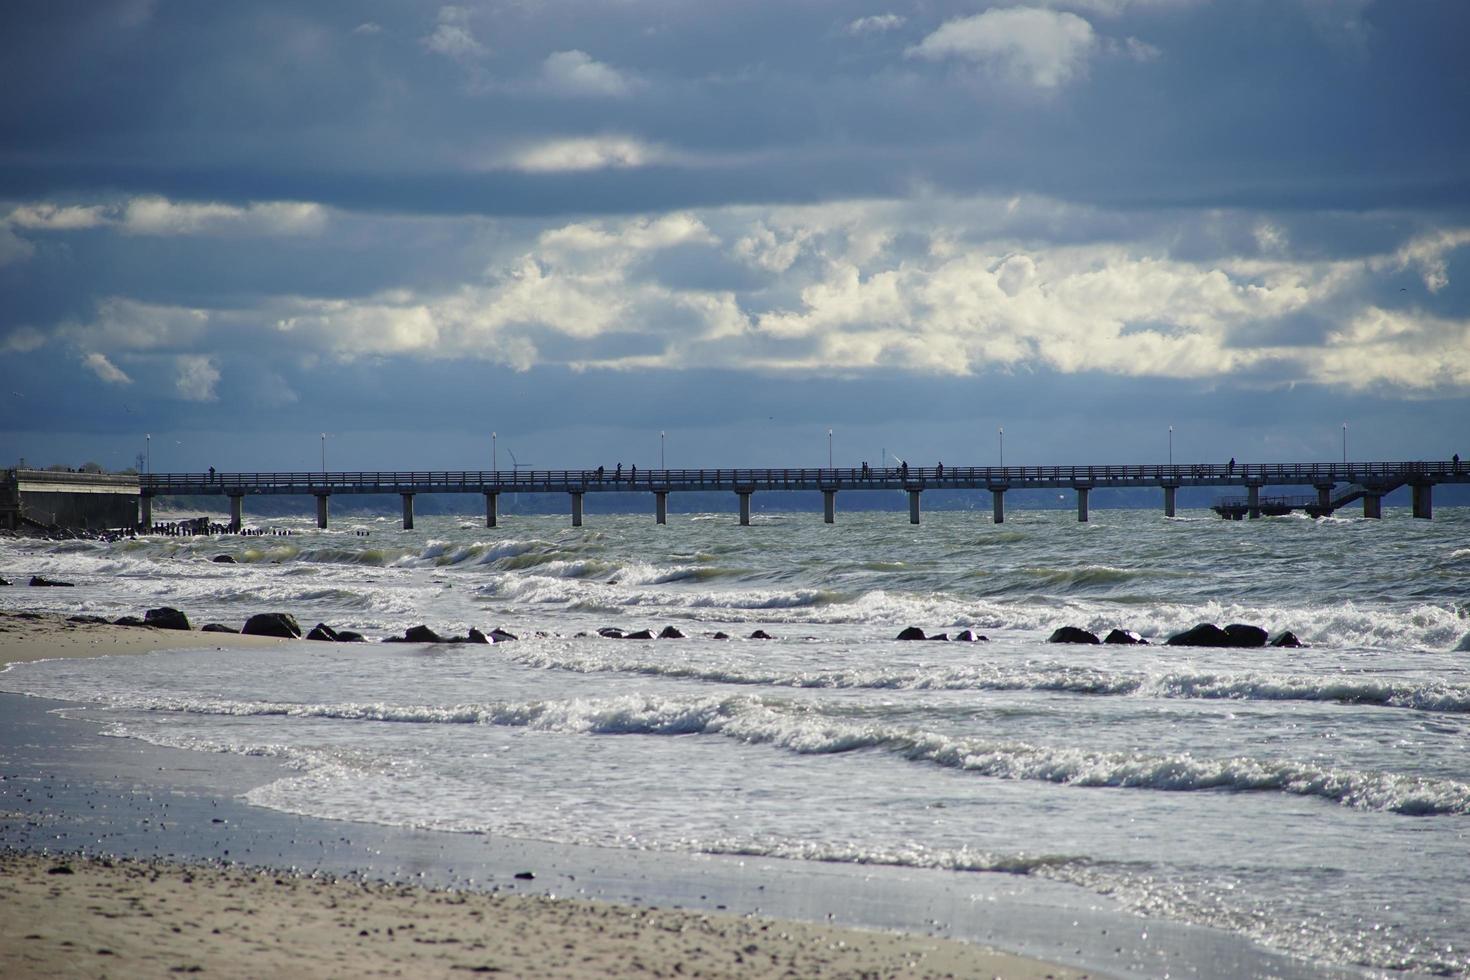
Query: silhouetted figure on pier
[
  {"x": 633, "y": 474},
  {"x": 1231, "y": 469},
  {"x": 618, "y": 473},
  {"x": 211, "y": 474},
  {"x": 939, "y": 470},
  {"x": 1456, "y": 460},
  {"x": 599, "y": 474}
]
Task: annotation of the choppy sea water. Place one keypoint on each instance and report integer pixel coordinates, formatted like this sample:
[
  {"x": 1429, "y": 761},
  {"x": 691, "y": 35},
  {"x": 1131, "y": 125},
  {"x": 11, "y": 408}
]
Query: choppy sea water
[{"x": 1315, "y": 800}]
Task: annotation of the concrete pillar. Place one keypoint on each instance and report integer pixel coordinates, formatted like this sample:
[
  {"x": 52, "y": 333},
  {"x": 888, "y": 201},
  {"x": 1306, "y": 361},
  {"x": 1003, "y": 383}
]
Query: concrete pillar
[
  {"x": 1082, "y": 493},
  {"x": 744, "y": 496},
  {"x": 1253, "y": 500},
  {"x": 1423, "y": 500},
  {"x": 576, "y": 508},
  {"x": 492, "y": 509},
  {"x": 1373, "y": 505},
  {"x": 661, "y": 506},
  {"x": 998, "y": 506},
  {"x": 407, "y": 511},
  {"x": 145, "y": 511},
  {"x": 829, "y": 506},
  {"x": 914, "y": 506},
  {"x": 321, "y": 510},
  {"x": 1169, "y": 493},
  {"x": 1324, "y": 495},
  {"x": 237, "y": 512}
]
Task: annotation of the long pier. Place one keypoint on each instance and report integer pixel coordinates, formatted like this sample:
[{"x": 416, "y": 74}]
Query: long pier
[{"x": 1336, "y": 484}]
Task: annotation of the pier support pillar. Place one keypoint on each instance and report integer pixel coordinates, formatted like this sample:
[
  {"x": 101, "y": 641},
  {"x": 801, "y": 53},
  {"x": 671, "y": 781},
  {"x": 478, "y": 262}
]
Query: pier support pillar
[
  {"x": 237, "y": 512},
  {"x": 1324, "y": 496},
  {"x": 744, "y": 496},
  {"x": 576, "y": 508},
  {"x": 1373, "y": 505},
  {"x": 407, "y": 511},
  {"x": 998, "y": 506},
  {"x": 1423, "y": 500},
  {"x": 661, "y": 506},
  {"x": 1253, "y": 500},
  {"x": 829, "y": 506},
  {"x": 1169, "y": 494},
  {"x": 1082, "y": 493},
  {"x": 914, "y": 506},
  {"x": 321, "y": 510},
  {"x": 492, "y": 509},
  {"x": 145, "y": 511}
]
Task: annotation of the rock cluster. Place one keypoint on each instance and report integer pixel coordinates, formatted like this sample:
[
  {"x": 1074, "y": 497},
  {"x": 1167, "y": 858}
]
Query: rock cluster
[
  {"x": 964, "y": 636},
  {"x": 1203, "y": 635}
]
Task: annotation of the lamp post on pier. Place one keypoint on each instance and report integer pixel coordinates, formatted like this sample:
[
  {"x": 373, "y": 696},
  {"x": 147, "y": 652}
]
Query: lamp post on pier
[
  {"x": 1171, "y": 445},
  {"x": 1344, "y": 444},
  {"x": 1000, "y": 433},
  {"x": 661, "y": 435},
  {"x": 147, "y": 452},
  {"x": 494, "y": 453},
  {"x": 324, "y": 452},
  {"x": 829, "y": 447}
]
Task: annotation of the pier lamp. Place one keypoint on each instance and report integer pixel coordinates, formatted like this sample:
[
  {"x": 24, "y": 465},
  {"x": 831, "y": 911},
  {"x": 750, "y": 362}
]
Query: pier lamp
[
  {"x": 1344, "y": 444},
  {"x": 829, "y": 447},
  {"x": 494, "y": 454},
  {"x": 147, "y": 452},
  {"x": 661, "y": 435},
  {"x": 1000, "y": 433},
  {"x": 1171, "y": 445},
  {"x": 324, "y": 452}
]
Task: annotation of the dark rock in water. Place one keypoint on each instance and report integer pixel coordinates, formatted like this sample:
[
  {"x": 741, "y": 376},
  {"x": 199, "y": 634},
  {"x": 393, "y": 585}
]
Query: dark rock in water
[
  {"x": 1203, "y": 635},
  {"x": 128, "y": 621},
  {"x": 942, "y": 637},
  {"x": 278, "y": 624},
  {"x": 224, "y": 560},
  {"x": 1073, "y": 634},
  {"x": 720, "y": 635},
  {"x": 217, "y": 628},
  {"x": 350, "y": 636},
  {"x": 5, "y": 581},
  {"x": 1287, "y": 639},
  {"x": 761, "y": 635},
  {"x": 498, "y": 635},
  {"x": 166, "y": 618},
  {"x": 670, "y": 633},
  {"x": 421, "y": 634},
  {"x": 640, "y": 635},
  {"x": 477, "y": 637},
  {"x": 321, "y": 631},
  {"x": 1245, "y": 635},
  {"x": 611, "y": 632},
  {"x": 525, "y": 876},
  {"x": 87, "y": 619},
  {"x": 910, "y": 633},
  {"x": 1126, "y": 637},
  {"x": 968, "y": 636},
  {"x": 41, "y": 580}
]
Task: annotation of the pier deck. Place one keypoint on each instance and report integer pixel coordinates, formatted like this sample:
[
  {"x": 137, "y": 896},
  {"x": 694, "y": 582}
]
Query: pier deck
[{"x": 1337, "y": 484}]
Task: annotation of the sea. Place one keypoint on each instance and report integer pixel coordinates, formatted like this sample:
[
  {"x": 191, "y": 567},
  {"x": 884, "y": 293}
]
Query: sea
[{"x": 1313, "y": 800}]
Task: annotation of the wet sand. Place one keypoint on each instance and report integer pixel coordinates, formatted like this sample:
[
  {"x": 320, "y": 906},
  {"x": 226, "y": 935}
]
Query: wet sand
[{"x": 275, "y": 913}]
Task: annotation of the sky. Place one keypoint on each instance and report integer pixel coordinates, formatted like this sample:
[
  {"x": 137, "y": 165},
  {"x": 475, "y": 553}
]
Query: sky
[{"x": 256, "y": 236}]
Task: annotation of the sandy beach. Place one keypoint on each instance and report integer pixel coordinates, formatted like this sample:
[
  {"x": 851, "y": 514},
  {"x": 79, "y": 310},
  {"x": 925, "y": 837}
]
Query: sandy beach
[{"x": 66, "y": 914}]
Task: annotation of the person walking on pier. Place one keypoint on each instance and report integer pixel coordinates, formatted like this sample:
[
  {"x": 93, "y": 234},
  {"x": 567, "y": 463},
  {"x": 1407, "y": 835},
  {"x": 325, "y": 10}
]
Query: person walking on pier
[
  {"x": 618, "y": 473},
  {"x": 939, "y": 471},
  {"x": 1231, "y": 469}
]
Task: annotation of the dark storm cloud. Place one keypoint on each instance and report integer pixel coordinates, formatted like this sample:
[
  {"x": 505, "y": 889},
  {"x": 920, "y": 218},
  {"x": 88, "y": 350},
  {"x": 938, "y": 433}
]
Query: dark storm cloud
[{"x": 1252, "y": 103}]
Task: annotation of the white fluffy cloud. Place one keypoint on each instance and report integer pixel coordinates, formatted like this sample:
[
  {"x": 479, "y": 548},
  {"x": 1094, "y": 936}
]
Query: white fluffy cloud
[
  {"x": 452, "y": 36},
  {"x": 99, "y": 365},
  {"x": 585, "y": 153},
  {"x": 44, "y": 216},
  {"x": 1043, "y": 48},
  {"x": 196, "y": 378},
  {"x": 876, "y": 24},
  {"x": 575, "y": 73},
  {"x": 159, "y": 216}
]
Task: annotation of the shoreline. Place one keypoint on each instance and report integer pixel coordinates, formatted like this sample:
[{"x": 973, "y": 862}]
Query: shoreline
[{"x": 66, "y": 788}]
